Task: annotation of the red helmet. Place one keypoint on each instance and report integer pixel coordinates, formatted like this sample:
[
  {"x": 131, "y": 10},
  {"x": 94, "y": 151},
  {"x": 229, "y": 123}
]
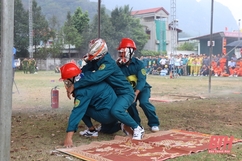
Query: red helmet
[
  {"x": 127, "y": 43},
  {"x": 69, "y": 70}
]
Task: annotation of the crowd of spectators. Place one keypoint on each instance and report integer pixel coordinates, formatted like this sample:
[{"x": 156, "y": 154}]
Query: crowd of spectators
[{"x": 193, "y": 65}]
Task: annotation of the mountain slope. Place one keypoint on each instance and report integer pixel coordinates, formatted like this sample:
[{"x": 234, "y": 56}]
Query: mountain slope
[{"x": 194, "y": 17}]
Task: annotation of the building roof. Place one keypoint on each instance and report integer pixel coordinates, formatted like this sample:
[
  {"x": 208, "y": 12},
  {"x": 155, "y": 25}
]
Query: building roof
[
  {"x": 151, "y": 10},
  {"x": 220, "y": 34},
  {"x": 237, "y": 43}
]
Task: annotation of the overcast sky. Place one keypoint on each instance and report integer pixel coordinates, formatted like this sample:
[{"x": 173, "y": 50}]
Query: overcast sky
[{"x": 234, "y": 5}]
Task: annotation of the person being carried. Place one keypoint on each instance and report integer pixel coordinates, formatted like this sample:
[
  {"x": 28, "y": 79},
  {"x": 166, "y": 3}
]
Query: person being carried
[
  {"x": 94, "y": 101},
  {"x": 135, "y": 73},
  {"x": 101, "y": 67}
]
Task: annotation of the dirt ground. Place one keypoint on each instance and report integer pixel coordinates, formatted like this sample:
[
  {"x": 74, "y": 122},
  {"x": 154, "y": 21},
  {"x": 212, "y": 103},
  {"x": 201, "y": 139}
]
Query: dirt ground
[{"x": 183, "y": 103}]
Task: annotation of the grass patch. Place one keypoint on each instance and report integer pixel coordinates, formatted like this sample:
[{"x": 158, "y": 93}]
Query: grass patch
[{"x": 37, "y": 129}]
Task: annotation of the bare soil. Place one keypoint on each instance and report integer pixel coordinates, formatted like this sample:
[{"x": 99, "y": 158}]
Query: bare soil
[{"x": 183, "y": 103}]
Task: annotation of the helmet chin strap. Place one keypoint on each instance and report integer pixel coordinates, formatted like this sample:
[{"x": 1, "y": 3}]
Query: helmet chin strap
[
  {"x": 131, "y": 51},
  {"x": 126, "y": 57},
  {"x": 71, "y": 80}
]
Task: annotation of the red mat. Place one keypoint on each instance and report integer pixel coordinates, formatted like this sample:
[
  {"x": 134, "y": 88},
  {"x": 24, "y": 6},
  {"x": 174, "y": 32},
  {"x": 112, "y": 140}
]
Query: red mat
[
  {"x": 159, "y": 100},
  {"x": 155, "y": 146}
]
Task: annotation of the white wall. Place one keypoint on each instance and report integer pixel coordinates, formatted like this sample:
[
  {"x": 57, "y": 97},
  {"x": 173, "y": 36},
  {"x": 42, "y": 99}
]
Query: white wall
[
  {"x": 50, "y": 63},
  {"x": 186, "y": 52}
]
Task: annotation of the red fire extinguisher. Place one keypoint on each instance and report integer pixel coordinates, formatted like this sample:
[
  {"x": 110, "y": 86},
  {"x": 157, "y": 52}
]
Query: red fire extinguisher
[{"x": 54, "y": 97}]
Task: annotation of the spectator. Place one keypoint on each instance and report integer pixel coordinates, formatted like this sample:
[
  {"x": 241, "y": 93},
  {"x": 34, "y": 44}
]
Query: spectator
[
  {"x": 164, "y": 71},
  {"x": 204, "y": 71}
]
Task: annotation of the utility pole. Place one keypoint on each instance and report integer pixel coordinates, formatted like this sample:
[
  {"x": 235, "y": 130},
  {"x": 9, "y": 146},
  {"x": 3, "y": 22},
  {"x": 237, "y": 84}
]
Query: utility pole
[
  {"x": 30, "y": 29},
  {"x": 211, "y": 47},
  {"x": 173, "y": 24},
  {"x": 6, "y": 75},
  {"x": 239, "y": 31},
  {"x": 99, "y": 18}
]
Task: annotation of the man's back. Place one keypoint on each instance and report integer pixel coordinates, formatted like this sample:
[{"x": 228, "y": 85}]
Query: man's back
[
  {"x": 99, "y": 96},
  {"x": 106, "y": 70}
]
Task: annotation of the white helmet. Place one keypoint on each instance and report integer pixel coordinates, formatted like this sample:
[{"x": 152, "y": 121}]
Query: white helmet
[{"x": 97, "y": 48}]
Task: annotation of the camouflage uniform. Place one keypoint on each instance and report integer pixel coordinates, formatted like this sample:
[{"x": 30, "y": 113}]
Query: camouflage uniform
[{"x": 25, "y": 65}]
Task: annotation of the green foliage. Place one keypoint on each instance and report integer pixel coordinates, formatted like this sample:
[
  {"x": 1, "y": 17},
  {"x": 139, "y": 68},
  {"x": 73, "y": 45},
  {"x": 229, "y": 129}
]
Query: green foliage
[
  {"x": 149, "y": 53},
  {"x": 121, "y": 24},
  {"x": 107, "y": 31},
  {"x": 127, "y": 26},
  {"x": 41, "y": 30},
  {"x": 56, "y": 49},
  {"x": 139, "y": 36},
  {"x": 187, "y": 46},
  {"x": 77, "y": 29},
  {"x": 71, "y": 36},
  {"x": 21, "y": 29},
  {"x": 54, "y": 23},
  {"x": 80, "y": 20},
  {"x": 59, "y": 8}
]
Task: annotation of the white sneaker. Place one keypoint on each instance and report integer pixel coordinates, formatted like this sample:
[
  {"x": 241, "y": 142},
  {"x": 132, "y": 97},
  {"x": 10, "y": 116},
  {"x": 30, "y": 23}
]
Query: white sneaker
[
  {"x": 138, "y": 133},
  {"x": 83, "y": 132},
  {"x": 154, "y": 128},
  {"x": 88, "y": 133}
]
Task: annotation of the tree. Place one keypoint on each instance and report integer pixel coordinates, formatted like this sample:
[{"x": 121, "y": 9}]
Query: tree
[
  {"x": 56, "y": 49},
  {"x": 80, "y": 20},
  {"x": 20, "y": 29},
  {"x": 54, "y": 23},
  {"x": 127, "y": 26},
  {"x": 121, "y": 24},
  {"x": 107, "y": 31},
  {"x": 138, "y": 35},
  {"x": 187, "y": 47},
  {"x": 149, "y": 53},
  {"x": 71, "y": 34},
  {"x": 41, "y": 30}
]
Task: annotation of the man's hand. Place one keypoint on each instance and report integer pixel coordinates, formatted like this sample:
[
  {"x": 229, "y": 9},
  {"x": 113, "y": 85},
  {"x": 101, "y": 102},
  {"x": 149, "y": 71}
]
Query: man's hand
[
  {"x": 136, "y": 95},
  {"x": 69, "y": 91},
  {"x": 68, "y": 143}
]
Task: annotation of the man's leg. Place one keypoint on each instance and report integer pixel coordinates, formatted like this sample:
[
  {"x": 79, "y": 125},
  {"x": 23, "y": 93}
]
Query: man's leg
[
  {"x": 119, "y": 112},
  {"x": 109, "y": 123},
  {"x": 134, "y": 112},
  {"x": 148, "y": 108}
]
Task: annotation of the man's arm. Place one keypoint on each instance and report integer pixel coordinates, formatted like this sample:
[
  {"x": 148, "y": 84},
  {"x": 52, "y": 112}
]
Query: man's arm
[
  {"x": 79, "y": 110},
  {"x": 141, "y": 76},
  {"x": 68, "y": 143},
  {"x": 104, "y": 71}
]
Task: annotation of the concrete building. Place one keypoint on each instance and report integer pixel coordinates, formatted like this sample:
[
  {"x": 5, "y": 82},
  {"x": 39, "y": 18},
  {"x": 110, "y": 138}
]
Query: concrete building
[
  {"x": 220, "y": 41},
  {"x": 156, "y": 25}
]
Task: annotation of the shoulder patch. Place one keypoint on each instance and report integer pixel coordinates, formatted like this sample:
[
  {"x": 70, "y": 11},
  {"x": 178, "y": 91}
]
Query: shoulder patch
[
  {"x": 143, "y": 71},
  {"x": 102, "y": 66},
  {"x": 76, "y": 103}
]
